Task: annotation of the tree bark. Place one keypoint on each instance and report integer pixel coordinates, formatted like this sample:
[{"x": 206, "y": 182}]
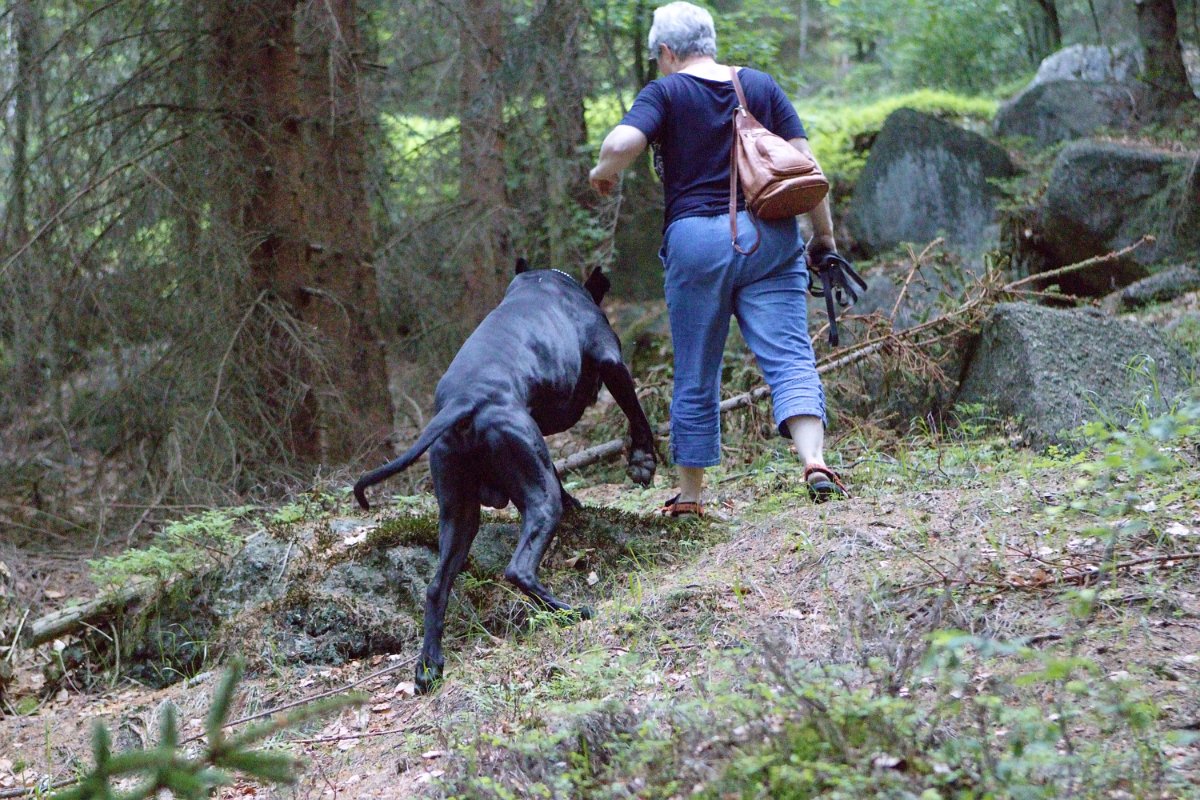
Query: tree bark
[
  {"x": 25, "y": 24},
  {"x": 1165, "y": 76},
  {"x": 290, "y": 77},
  {"x": 563, "y": 82},
  {"x": 481, "y": 180},
  {"x": 1044, "y": 30}
]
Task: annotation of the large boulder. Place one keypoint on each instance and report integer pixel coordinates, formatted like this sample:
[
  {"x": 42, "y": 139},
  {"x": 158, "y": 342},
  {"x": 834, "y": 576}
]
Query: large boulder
[
  {"x": 1063, "y": 110},
  {"x": 1054, "y": 370},
  {"x": 926, "y": 178},
  {"x": 1082, "y": 89},
  {"x": 1091, "y": 62},
  {"x": 1102, "y": 197}
]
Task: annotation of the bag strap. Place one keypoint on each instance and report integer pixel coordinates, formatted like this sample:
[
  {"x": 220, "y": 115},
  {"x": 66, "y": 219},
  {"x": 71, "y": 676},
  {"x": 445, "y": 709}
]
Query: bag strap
[
  {"x": 737, "y": 87},
  {"x": 733, "y": 169}
]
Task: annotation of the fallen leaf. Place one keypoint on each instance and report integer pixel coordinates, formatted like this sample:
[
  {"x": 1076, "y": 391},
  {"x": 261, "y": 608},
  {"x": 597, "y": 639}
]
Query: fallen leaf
[
  {"x": 1178, "y": 529},
  {"x": 593, "y": 579},
  {"x": 54, "y": 594},
  {"x": 886, "y": 761}
]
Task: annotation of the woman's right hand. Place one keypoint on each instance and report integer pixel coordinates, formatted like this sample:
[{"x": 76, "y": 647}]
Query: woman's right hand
[{"x": 604, "y": 184}]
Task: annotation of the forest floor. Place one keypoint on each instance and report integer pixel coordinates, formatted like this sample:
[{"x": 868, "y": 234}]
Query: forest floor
[{"x": 977, "y": 618}]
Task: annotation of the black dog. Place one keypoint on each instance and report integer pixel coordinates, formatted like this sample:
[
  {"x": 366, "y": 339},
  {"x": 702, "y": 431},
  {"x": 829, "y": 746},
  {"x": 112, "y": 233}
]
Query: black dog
[{"x": 530, "y": 369}]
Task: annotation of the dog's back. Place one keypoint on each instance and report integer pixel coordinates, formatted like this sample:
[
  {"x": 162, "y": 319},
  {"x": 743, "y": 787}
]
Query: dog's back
[
  {"x": 538, "y": 349},
  {"x": 537, "y": 355}
]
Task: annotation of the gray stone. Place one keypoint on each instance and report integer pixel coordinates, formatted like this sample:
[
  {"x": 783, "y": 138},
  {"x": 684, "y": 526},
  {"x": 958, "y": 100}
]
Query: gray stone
[
  {"x": 1158, "y": 288},
  {"x": 925, "y": 178},
  {"x": 493, "y": 548},
  {"x": 1090, "y": 62},
  {"x": 637, "y": 269},
  {"x": 1102, "y": 197},
  {"x": 251, "y": 576},
  {"x": 1121, "y": 63},
  {"x": 1057, "y": 111},
  {"x": 1054, "y": 370},
  {"x": 1191, "y": 63}
]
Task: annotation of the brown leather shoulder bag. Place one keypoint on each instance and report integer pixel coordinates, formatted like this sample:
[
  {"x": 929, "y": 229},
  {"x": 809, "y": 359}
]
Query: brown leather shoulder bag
[{"x": 778, "y": 181}]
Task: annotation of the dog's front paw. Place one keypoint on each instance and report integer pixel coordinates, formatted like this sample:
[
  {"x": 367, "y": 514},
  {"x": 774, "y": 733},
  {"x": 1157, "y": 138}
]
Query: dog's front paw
[{"x": 640, "y": 468}]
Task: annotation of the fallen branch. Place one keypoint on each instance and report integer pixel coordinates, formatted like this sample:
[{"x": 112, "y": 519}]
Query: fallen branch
[
  {"x": 1080, "y": 574},
  {"x": 1086, "y": 264},
  {"x": 66, "y": 620}
]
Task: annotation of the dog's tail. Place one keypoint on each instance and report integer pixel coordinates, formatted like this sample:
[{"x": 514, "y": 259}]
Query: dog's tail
[{"x": 441, "y": 422}]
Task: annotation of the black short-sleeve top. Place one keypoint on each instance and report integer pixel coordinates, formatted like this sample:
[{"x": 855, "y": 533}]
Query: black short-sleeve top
[{"x": 689, "y": 122}]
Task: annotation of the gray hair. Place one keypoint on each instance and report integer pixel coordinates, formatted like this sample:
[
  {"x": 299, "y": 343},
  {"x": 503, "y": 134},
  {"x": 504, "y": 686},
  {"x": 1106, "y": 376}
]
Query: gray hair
[{"x": 685, "y": 28}]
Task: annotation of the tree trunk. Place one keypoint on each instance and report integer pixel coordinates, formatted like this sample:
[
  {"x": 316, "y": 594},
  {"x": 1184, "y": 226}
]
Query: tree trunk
[
  {"x": 562, "y": 81},
  {"x": 290, "y": 76},
  {"x": 804, "y": 25},
  {"x": 1165, "y": 76},
  {"x": 643, "y": 70},
  {"x": 27, "y": 331},
  {"x": 25, "y": 25},
  {"x": 1044, "y": 31},
  {"x": 481, "y": 181}
]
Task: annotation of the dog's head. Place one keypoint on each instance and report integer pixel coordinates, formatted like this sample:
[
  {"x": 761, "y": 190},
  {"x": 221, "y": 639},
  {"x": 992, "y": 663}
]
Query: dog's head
[{"x": 597, "y": 284}]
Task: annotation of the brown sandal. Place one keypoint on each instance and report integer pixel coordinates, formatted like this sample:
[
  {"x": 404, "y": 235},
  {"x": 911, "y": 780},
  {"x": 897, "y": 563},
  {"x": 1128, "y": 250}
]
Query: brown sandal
[
  {"x": 675, "y": 508},
  {"x": 827, "y": 488}
]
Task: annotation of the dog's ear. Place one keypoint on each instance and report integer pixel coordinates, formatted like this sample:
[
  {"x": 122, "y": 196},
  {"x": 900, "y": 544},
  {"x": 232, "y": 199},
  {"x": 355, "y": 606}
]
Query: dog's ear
[
  {"x": 597, "y": 284},
  {"x": 522, "y": 265}
]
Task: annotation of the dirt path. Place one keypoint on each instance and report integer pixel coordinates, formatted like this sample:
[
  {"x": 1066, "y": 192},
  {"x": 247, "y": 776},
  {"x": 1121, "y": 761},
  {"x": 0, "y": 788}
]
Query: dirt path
[{"x": 950, "y": 538}]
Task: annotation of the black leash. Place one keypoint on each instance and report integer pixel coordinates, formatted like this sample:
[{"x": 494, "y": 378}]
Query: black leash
[{"x": 837, "y": 282}]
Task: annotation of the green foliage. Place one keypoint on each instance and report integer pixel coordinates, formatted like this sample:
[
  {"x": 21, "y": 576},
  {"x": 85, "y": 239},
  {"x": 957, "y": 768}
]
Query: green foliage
[
  {"x": 753, "y": 33},
  {"x": 167, "y": 768},
  {"x": 1135, "y": 467},
  {"x": 971, "y": 45},
  {"x": 1186, "y": 331},
  {"x": 179, "y": 548},
  {"x": 975, "y": 718}
]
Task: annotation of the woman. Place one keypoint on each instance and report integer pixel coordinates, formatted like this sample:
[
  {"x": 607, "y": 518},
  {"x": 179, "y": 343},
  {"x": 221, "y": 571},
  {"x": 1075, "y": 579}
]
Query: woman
[{"x": 687, "y": 115}]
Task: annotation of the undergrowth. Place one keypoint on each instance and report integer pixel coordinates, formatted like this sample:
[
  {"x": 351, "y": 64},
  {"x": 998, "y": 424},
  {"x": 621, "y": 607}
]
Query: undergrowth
[
  {"x": 180, "y": 548},
  {"x": 948, "y": 710}
]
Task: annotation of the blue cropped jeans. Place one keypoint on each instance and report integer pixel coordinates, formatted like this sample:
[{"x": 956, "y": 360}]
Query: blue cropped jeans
[{"x": 705, "y": 282}]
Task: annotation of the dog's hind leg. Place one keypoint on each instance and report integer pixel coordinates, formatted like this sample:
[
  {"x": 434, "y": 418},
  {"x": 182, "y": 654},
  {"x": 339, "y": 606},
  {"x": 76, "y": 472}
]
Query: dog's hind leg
[
  {"x": 535, "y": 489},
  {"x": 458, "y": 508},
  {"x": 569, "y": 501}
]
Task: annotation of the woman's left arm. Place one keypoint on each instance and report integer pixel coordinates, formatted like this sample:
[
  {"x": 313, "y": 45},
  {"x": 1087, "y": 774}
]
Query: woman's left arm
[{"x": 821, "y": 217}]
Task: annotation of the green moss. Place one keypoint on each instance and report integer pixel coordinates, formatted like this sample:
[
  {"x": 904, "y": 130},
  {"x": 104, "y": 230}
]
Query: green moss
[
  {"x": 616, "y": 535},
  {"x": 1187, "y": 332},
  {"x": 415, "y": 531},
  {"x": 833, "y": 125}
]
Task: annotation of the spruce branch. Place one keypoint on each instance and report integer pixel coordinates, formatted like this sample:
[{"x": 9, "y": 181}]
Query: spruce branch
[{"x": 166, "y": 767}]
